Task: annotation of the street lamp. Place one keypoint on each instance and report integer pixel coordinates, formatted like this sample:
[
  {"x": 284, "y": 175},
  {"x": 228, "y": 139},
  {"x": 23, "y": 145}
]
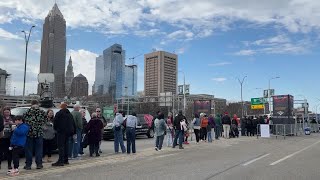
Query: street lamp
[
  {"x": 241, "y": 83},
  {"x": 269, "y": 95},
  {"x": 26, "y": 38}
]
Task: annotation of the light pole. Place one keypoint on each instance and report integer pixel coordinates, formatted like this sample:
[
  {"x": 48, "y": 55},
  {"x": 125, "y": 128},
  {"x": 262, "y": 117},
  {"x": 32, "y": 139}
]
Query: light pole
[
  {"x": 241, "y": 83},
  {"x": 269, "y": 90},
  {"x": 184, "y": 92},
  {"x": 26, "y": 38},
  {"x": 128, "y": 99}
]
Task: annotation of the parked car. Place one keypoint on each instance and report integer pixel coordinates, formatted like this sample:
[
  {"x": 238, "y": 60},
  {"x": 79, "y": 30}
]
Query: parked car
[{"x": 143, "y": 128}]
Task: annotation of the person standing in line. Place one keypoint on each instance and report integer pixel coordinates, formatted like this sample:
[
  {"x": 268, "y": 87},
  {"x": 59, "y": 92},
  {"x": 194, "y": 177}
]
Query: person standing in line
[
  {"x": 203, "y": 125},
  {"x": 186, "y": 133},
  {"x": 211, "y": 125},
  {"x": 94, "y": 133},
  {"x": 178, "y": 130},
  {"x": 152, "y": 126},
  {"x": 243, "y": 125},
  {"x": 84, "y": 125},
  {"x": 226, "y": 122},
  {"x": 104, "y": 122},
  {"x": 17, "y": 143},
  {"x": 65, "y": 127},
  {"x": 75, "y": 141},
  {"x": 6, "y": 128},
  {"x": 160, "y": 128},
  {"x": 131, "y": 125},
  {"x": 48, "y": 135},
  {"x": 196, "y": 127},
  {"x": 218, "y": 126},
  {"x": 170, "y": 130},
  {"x": 35, "y": 118},
  {"x": 118, "y": 132}
]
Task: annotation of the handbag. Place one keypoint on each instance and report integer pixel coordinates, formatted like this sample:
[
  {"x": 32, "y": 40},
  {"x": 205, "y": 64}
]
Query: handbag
[{"x": 85, "y": 140}]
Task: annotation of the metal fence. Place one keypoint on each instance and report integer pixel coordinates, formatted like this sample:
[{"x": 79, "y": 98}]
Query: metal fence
[{"x": 283, "y": 130}]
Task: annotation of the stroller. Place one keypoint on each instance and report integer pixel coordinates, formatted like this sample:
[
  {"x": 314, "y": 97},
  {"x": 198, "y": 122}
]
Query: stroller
[{"x": 234, "y": 132}]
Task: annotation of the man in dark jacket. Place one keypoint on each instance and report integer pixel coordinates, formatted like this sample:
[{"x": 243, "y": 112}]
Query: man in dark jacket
[
  {"x": 65, "y": 127},
  {"x": 226, "y": 123},
  {"x": 178, "y": 131}
]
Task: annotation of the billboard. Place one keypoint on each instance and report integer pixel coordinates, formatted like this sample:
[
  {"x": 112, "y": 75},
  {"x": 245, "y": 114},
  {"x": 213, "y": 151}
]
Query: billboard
[
  {"x": 202, "y": 106},
  {"x": 283, "y": 109}
]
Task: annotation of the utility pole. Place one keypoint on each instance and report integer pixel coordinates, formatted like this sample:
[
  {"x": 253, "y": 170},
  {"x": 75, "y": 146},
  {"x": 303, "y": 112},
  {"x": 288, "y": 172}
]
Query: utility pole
[{"x": 269, "y": 93}]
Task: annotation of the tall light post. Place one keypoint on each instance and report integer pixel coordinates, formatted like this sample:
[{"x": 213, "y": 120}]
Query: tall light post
[
  {"x": 184, "y": 92},
  {"x": 269, "y": 90},
  {"x": 26, "y": 38},
  {"x": 241, "y": 84}
]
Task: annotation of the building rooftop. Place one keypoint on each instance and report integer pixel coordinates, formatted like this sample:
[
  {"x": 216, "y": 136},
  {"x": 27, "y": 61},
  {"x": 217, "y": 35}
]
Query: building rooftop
[{"x": 55, "y": 11}]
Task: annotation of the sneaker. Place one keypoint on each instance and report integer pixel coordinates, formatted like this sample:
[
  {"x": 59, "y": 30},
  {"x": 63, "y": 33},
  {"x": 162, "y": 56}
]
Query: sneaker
[
  {"x": 100, "y": 151},
  {"x": 57, "y": 164},
  {"x": 27, "y": 167},
  {"x": 97, "y": 155},
  {"x": 66, "y": 163},
  {"x": 181, "y": 147},
  {"x": 156, "y": 149},
  {"x": 13, "y": 172},
  {"x": 39, "y": 166}
]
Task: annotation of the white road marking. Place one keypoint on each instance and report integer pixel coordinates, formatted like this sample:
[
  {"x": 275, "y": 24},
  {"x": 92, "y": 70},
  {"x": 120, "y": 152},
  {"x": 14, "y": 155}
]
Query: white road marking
[
  {"x": 295, "y": 153},
  {"x": 254, "y": 160}
]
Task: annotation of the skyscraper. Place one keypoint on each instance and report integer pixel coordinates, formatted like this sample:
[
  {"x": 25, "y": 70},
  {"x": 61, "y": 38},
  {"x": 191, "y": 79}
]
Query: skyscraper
[
  {"x": 69, "y": 77},
  {"x": 53, "y": 50},
  {"x": 130, "y": 81},
  {"x": 160, "y": 73},
  {"x": 99, "y": 75},
  {"x": 114, "y": 61}
]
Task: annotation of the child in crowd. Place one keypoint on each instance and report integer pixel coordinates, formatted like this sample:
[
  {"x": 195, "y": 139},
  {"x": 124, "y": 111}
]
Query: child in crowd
[{"x": 17, "y": 143}]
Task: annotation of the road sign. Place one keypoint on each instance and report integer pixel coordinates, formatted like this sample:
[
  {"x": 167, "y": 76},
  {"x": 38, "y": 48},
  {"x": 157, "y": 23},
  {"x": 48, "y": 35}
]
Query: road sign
[
  {"x": 260, "y": 106},
  {"x": 257, "y": 101}
]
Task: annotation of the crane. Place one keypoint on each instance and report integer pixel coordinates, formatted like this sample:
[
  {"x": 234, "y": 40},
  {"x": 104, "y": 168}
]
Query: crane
[{"x": 132, "y": 58}]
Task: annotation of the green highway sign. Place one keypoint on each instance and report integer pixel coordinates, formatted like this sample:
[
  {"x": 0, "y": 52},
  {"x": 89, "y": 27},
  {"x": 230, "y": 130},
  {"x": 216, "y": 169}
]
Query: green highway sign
[{"x": 257, "y": 101}]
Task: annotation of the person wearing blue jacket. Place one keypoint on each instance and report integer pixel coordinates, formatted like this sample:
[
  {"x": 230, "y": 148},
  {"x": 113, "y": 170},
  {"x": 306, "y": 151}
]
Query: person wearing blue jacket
[{"x": 17, "y": 143}]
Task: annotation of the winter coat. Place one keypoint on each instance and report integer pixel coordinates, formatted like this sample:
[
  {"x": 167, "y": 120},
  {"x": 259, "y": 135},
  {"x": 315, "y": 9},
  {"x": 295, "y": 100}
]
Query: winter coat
[
  {"x": 196, "y": 123},
  {"x": 84, "y": 125},
  {"x": 217, "y": 120},
  {"x": 160, "y": 127},
  {"x": 7, "y": 127},
  {"x": 1, "y": 123},
  {"x": 204, "y": 122},
  {"x": 226, "y": 120},
  {"x": 48, "y": 130},
  {"x": 35, "y": 118},
  {"x": 19, "y": 135},
  {"x": 177, "y": 120},
  {"x": 93, "y": 130},
  {"x": 63, "y": 123},
  {"x": 77, "y": 117}
]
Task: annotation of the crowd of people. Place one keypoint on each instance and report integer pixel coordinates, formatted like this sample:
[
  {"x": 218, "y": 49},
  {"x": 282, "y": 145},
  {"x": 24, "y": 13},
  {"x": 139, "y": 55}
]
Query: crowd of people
[{"x": 37, "y": 132}]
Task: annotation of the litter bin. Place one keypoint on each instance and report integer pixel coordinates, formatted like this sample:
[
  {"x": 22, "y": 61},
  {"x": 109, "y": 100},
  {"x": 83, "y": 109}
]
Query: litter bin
[{"x": 307, "y": 130}]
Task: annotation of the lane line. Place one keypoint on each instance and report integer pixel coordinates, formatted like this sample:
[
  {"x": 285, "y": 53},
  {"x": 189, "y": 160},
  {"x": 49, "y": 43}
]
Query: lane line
[
  {"x": 295, "y": 153},
  {"x": 256, "y": 159}
]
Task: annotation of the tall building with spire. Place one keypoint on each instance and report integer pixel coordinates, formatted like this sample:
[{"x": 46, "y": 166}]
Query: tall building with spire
[
  {"x": 53, "y": 50},
  {"x": 69, "y": 77}
]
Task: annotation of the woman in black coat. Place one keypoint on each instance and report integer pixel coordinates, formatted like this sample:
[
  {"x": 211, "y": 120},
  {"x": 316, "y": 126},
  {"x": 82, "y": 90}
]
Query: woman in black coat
[{"x": 93, "y": 130}]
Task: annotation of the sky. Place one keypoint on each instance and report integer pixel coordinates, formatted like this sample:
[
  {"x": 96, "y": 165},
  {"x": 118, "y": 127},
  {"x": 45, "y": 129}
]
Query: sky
[{"x": 217, "y": 41}]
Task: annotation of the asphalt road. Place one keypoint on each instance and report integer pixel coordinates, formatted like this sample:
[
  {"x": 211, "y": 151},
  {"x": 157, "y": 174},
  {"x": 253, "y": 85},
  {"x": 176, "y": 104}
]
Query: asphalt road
[{"x": 244, "y": 158}]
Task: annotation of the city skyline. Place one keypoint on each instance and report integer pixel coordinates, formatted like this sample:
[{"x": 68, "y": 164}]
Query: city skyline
[{"x": 216, "y": 43}]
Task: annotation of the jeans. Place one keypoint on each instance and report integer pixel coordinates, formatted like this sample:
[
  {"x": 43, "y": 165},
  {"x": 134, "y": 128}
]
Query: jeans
[
  {"x": 169, "y": 138},
  {"x": 63, "y": 146},
  {"x": 37, "y": 144},
  {"x": 94, "y": 148},
  {"x": 131, "y": 139},
  {"x": 118, "y": 140},
  {"x": 196, "y": 133},
  {"x": 159, "y": 141},
  {"x": 178, "y": 134},
  {"x": 47, "y": 147},
  {"x": 209, "y": 136},
  {"x": 226, "y": 130},
  {"x": 217, "y": 131},
  {"x": 76, "y": 146},
  {"x": 16, "y": 152},
  {"x": 81, "y": 145}
]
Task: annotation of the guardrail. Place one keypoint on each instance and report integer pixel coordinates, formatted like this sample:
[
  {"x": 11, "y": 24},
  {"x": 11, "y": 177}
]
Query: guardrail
[{"x": 282, "y": 130}]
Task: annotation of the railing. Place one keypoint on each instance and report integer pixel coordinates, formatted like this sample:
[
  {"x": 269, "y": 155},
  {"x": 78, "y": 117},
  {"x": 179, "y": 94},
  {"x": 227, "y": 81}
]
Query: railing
[{"x": 282, "y": 130}]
